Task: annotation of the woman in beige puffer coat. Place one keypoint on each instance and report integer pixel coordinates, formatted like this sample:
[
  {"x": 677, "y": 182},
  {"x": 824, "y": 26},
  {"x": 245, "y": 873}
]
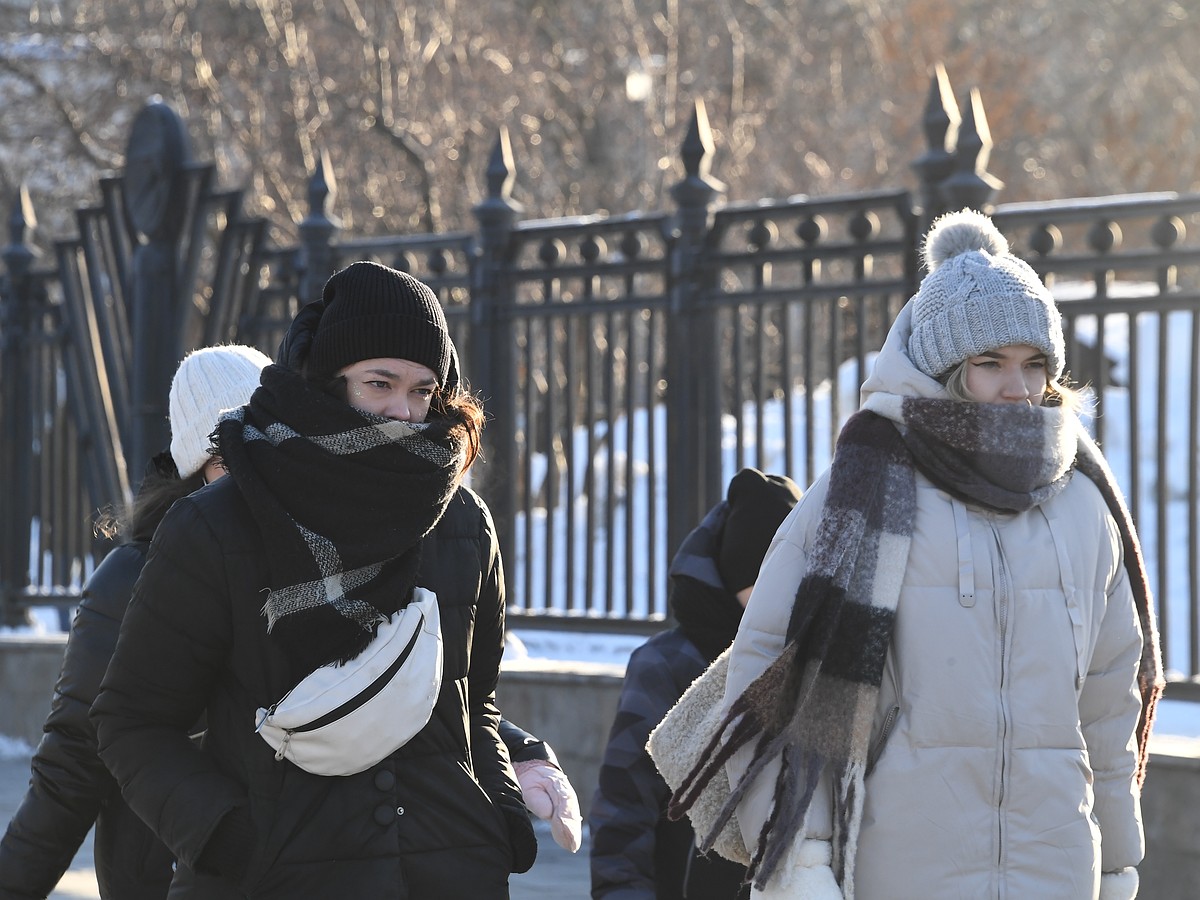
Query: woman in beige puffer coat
[{"x": 994, "y": 749}]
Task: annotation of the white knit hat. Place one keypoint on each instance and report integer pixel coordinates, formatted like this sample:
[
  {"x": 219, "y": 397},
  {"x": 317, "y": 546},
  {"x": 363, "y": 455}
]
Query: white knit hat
[
  {"x": 208, "y": 382},
  {"x": 978, "y": 297}
]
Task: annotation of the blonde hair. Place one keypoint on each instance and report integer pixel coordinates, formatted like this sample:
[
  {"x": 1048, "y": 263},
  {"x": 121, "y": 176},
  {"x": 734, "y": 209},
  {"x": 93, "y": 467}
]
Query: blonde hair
[{"x": 1057, "y": 393}]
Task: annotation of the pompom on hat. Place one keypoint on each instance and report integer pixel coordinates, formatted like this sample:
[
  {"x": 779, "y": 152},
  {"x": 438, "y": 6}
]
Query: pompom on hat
[
  {"x": 758, "y": 504},
  {"x": 208, "y": 382},
  {"x": 978, "y": 297},
  {"x": 371, "y": 311}
]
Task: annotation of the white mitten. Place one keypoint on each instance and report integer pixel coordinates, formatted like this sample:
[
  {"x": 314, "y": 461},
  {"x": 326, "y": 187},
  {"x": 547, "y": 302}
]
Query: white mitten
[
  {"x": 804, "y": 875},
  {"x": 1119, "y": 885},
  {"x": 548, "y": 795}
]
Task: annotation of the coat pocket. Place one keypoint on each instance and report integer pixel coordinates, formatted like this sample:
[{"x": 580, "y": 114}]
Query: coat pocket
[{"x": 889, "y": 705}]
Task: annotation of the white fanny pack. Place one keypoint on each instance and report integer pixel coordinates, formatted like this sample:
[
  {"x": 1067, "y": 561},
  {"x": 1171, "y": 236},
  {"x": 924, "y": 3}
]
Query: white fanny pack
[{"x": 342, "y": 719}]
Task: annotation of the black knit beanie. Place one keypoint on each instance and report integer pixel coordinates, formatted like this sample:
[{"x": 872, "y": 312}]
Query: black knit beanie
[
  {"x": 758, "y": 504},
  {"x": 373, "y": 311}
]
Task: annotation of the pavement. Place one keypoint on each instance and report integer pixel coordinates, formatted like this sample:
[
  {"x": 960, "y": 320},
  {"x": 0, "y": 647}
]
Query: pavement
[{"x": 557, "y": 874}]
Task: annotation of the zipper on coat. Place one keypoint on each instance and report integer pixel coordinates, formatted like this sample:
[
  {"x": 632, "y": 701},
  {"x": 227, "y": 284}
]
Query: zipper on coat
[
  {"x": 885, "y": 731},
  {"x": 1003, "y": 601},
  {"x": 893, "y": 713}
]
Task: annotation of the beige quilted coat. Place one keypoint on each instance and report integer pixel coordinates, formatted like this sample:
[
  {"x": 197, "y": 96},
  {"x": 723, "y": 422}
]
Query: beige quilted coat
[{"x": 1003, "y": 742}]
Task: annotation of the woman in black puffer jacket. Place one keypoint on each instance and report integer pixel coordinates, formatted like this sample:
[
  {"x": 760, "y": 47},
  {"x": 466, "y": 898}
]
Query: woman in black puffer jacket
[
  {"x": 343, "y": 495},
  {"x": 70, "y": 788}
]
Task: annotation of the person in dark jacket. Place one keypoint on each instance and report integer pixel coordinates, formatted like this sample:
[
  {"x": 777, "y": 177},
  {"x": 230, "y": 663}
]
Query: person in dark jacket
[
  {"x": 637, "y": 853},
  {"x": 344, "y": 496},
  {"x": 70, "y": 789}
]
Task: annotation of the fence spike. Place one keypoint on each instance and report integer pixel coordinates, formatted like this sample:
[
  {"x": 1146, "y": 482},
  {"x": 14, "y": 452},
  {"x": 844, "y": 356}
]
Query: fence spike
[
  {"x": 501, "y": 172},
  {"x": 970, "y": 184},
  {"x": 697, "y": 189},
  {"x": 697, "y": 148},
  {"x": 314, "y": 259},
  {"x": 940, "y": 123},
  {"x": 322, "y": 187},
  {"x": 497, "y": 212},
  {"x": 22, "y": 220}
]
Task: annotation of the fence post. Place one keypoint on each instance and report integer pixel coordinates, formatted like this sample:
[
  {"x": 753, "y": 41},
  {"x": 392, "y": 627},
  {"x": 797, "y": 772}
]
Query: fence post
[
  {"x": 940, "y": 123},
  {"x": 970, "y": 184},
  {"x": 17, "y": 347},
  {"x": 491, "y": 365},
  {"x": 693, "y": 379},
  {"x": 315, "y": 262},
  {"x": 157, "y": 154}
]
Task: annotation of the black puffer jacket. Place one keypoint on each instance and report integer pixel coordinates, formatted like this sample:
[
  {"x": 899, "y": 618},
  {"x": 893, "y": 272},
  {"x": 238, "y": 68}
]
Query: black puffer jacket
[
  {"x": 70, "y": 788},
  {"x": 441, "y": 818}
]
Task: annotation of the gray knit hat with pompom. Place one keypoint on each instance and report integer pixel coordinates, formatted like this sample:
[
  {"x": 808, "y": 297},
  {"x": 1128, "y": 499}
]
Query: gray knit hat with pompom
[{"x": 978, "y": 297}]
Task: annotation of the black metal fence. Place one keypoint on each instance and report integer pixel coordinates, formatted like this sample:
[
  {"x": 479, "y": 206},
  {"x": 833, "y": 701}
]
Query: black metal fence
[{"x": 630, "y": 364}]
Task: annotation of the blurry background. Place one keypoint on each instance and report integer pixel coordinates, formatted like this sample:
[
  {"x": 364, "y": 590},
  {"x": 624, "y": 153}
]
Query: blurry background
[{"x": 813, "y": 96}]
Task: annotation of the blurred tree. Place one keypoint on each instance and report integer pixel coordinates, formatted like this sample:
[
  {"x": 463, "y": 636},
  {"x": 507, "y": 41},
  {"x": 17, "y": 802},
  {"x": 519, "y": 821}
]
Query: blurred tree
[{"x": 1084, "y": 97}]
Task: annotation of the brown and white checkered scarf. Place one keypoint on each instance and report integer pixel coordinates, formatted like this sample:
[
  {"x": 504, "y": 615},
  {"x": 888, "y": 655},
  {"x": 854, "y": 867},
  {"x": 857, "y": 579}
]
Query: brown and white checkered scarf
[
  {"x": 813, "y": 708},
  {"x": 342, "y": 499}
]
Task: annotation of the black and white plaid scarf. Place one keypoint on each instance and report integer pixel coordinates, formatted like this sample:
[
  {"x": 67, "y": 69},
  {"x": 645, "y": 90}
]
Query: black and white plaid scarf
[
  {"x": 814, "y": 707},
  {"x": 342, "y": 499}
]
